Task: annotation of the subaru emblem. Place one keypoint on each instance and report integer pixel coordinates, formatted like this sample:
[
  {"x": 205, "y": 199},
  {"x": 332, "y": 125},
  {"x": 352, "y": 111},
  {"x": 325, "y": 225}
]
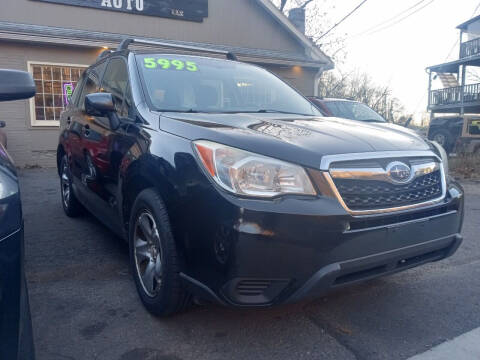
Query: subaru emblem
[{"x": 399, "y": 172}]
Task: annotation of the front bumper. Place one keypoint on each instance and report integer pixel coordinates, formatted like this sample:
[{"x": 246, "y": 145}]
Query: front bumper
[
  {"x": 368, "y": 267},
  {"x": 260, "y": 253}
]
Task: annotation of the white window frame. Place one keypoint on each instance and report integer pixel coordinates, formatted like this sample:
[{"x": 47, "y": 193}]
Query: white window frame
[{"x": 33, "y": 115}]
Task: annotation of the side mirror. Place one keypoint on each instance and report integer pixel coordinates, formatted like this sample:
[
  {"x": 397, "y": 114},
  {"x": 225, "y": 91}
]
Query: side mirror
[
  {"x": 16, "y": 85},
  {"x": 99, "y": 104},
  {"x": 2, "y": 124}
]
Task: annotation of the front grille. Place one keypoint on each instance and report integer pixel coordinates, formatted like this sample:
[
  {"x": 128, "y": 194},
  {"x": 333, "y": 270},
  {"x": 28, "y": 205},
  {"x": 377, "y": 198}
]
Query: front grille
[{"x": 373, "y": 194}]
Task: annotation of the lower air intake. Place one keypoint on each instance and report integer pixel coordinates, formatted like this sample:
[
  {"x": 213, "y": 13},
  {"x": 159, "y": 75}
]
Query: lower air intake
[{"x": 251, "y": 291}]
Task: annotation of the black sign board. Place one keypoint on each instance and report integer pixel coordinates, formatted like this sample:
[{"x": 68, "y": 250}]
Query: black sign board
[{"x": 192, "y": 10}]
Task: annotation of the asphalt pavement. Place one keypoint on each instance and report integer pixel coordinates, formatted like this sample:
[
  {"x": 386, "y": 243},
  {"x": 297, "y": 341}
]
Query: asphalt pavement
[{"x": 84, "y": 303}]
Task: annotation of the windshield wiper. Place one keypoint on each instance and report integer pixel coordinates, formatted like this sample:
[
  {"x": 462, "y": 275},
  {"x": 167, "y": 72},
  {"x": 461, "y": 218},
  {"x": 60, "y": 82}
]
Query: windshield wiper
[
  {"x": 279, "y": 111},
  {"x": 192, "y": 111},
  {"x": 189, "y": 111},
  {"x": 373, "y": 120},
  {"x": 263, "y": 111}
]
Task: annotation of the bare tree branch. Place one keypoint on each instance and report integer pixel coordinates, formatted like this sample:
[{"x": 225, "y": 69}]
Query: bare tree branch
[
  {"x": 305, "y": 4},
  {"x": 301, "y": 4}
]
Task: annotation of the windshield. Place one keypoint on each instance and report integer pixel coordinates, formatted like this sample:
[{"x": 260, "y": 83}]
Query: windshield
[
  {"x": 352, "y": 110},
  {"x": 195, "y": 84}
]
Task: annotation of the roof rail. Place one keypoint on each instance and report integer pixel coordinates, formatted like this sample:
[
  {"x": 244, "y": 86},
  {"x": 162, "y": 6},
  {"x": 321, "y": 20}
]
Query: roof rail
[{"x": 127, "y": 41}]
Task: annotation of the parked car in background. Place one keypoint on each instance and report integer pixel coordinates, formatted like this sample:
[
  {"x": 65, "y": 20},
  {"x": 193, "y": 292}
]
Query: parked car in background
[
  {"x": 347, "y": 109},
  {"x": 230, "y": 186},
  {"x": 16, "y": 340},
  {"x": 354, "y": 110},
  {"x": 3, "y": 136},
  {"x": 447, "y": 130}
]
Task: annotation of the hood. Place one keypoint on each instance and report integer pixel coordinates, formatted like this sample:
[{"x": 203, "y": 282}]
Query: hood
[
  {"x": 400, "y": 128},
  {"x": 292, "y": 137}
]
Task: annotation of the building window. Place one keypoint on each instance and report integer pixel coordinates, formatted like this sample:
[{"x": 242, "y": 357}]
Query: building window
[{"x": 54, "y": 84}]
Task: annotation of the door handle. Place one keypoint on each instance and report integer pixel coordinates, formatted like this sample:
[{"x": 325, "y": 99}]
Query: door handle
[{"x": 86, "y": 130}]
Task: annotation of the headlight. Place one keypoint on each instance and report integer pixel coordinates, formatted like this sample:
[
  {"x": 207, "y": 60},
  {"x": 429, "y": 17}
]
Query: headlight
[
  {"x": 10, "y": 211},
  {"x": 8, "y": 185},
  {"x": 249, "y": 174}
]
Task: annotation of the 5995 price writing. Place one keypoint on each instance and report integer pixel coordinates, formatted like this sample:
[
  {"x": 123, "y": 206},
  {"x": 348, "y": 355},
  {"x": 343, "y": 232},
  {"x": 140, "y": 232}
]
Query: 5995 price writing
[{"x": 168, "y": 64}]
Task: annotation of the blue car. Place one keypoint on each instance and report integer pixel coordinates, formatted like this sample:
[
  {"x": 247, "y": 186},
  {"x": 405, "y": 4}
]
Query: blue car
[{"x": 16, "y": 340}]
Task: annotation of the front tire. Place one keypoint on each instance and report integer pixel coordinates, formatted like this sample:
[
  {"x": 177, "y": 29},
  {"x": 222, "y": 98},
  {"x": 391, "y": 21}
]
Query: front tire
[
  {"x": 71, "y": 205},
  {"x": 443, "y": 138},
  {"x": 154, "y": 259}
]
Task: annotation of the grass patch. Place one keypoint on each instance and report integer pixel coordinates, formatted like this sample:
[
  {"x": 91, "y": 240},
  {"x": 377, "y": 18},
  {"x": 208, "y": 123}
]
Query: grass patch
[{"x": 465, "y": 166}]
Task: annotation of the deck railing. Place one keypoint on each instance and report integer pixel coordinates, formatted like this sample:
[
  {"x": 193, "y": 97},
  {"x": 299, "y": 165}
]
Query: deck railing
[
  {"x": 470, "y": 48},
  {"x": 453, "y": 95}
]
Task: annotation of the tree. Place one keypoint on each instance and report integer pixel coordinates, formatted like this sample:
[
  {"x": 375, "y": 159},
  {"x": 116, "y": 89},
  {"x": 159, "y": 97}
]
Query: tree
[
  {"x": 353, "y": 85},
  {"x": 298, "y": 3},
  {"x": 317, "y": 22}
]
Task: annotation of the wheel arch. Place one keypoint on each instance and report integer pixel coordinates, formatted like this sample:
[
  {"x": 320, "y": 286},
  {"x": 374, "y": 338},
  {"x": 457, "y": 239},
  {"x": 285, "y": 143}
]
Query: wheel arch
[
  {"x": 146, "y": 172},
  {"x": 60, "y": 153}
]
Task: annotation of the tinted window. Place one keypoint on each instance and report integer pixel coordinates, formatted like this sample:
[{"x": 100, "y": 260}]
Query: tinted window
[
  {"x": 78, "y": 90},
  {"x": 115, "y": 81},
  {"x": 352, "y": 110},
  {"x": 185, "y": 83},
  {"x": 127, "y": 103},
  {"x": 99, "y": 69},
  {"x": 92, "y": 85}
]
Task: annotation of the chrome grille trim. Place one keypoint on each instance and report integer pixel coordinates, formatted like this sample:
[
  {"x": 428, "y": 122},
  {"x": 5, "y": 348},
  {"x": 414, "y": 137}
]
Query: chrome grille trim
[
  {"x": 381, "y": 174},
  {"x": 326, "y": 161}
]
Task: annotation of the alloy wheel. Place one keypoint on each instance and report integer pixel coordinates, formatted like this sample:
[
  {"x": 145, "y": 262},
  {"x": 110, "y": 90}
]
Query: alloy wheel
[
  {"x": 148, "y": 254},
  {"x": 65, "y": 181}
]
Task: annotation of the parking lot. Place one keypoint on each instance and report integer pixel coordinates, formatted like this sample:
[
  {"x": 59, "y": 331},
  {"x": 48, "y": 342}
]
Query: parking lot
[{"x": 85, "y": 306}]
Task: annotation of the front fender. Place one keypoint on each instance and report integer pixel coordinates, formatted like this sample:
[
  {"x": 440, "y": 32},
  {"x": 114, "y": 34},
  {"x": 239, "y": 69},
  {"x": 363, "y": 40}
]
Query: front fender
[{"x": 166, "y": 163}]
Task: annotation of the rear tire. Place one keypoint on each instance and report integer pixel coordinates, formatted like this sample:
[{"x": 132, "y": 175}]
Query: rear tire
[
  {"x": 154, "y": 259},
  {"x": 71, "y": 205}
]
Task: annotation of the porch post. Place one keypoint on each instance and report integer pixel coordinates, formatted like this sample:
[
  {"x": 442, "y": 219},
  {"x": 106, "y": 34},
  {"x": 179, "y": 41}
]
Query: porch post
[
  {"x": 462, "y": 89},
  {"x": 429, "y": 88},
  {"x": 460, "y": 45}
]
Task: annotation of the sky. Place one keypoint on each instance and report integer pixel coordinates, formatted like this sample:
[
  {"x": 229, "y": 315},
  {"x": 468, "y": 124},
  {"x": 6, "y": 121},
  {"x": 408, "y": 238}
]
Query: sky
[{"x": 398, "y": 55}]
